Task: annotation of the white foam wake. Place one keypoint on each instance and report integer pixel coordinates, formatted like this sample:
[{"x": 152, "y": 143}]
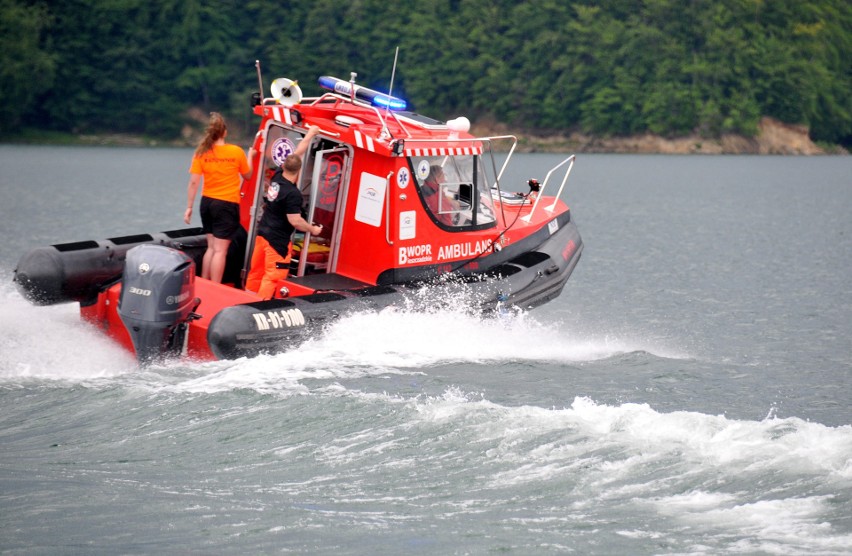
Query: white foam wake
[
  {"x": 777, "y": 483},
  {"x": 52, "y": 343}
]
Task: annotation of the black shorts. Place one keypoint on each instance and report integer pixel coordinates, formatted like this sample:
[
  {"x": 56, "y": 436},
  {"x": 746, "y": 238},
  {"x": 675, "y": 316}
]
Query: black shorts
[{"x": 220, "y": 218}]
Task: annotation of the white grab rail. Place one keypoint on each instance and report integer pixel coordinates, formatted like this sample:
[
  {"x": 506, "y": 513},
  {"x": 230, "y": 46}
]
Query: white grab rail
[{"x": 538, "y": 198}]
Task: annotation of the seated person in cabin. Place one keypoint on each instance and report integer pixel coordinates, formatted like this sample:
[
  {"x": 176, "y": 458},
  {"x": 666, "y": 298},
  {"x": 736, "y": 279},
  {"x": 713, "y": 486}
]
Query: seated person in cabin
[
  {"x": 282, "y": 215},
  {"x": 444, "y": 207}
]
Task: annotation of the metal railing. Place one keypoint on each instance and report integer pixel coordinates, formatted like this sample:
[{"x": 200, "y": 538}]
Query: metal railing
[{"x": 540, "y": 195}]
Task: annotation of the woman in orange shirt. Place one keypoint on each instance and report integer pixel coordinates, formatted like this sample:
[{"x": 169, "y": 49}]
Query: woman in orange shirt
[{"x": 222, "y": 166}]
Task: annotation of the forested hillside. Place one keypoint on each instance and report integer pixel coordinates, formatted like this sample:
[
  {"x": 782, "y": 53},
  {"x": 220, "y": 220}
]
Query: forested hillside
[{"x": 617, "y": 67}]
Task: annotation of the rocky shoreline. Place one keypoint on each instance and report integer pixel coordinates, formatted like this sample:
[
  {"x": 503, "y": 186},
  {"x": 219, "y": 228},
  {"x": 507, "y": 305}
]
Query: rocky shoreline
[{"x": 773, "y": 138}]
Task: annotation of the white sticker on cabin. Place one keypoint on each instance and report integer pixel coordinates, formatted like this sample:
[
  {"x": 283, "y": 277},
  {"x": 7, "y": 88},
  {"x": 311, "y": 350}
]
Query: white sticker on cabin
[
  {"x": 371, "y": 199},
  {"x": 407, "y": 224},
  {"x": 281, "y": 149},
  {"x": 423, "y": 170},
  {"x": 402, "y": 178}
]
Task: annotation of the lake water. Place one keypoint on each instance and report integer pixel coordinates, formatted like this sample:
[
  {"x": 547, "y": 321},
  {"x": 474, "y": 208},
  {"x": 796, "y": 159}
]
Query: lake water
[{"x": 688, "y": 393}]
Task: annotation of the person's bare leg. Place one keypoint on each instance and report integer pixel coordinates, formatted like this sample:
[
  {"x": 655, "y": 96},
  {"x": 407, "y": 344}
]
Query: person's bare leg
[
  {"x": 207, "y": 258},
  {"x": 218, "y": 259}
]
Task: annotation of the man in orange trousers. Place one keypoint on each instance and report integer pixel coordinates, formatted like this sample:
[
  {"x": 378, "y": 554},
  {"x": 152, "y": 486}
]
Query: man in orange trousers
[{"x": 282, "y": 215}]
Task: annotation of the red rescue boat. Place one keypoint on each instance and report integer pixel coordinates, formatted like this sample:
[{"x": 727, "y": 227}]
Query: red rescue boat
[{"x": 386, "y": 232}]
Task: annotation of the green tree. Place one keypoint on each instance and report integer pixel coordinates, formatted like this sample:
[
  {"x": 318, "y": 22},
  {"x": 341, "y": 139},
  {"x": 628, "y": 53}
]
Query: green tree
[
  {"x": 26, "y": 65},
  {"x": 616, "y": 67}
]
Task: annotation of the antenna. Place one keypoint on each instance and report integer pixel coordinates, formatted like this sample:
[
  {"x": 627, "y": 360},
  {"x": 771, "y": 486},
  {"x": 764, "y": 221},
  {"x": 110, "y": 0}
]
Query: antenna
[
  {"x": 385, "y": 132},
  {"x": 259, "y": 79},
  {"x": 393, "y": 75}
]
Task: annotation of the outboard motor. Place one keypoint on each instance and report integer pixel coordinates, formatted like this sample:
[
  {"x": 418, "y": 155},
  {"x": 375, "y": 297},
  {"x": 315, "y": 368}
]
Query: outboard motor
[{"x": 157, "y": 300}]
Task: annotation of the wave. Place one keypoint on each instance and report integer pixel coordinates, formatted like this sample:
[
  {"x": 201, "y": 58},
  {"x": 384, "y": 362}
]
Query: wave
[
  {"x": 768, "y": 486},
  {"x": 774, "y": 486},
  {"x": 52, "y": 343},
  {"x": 640, "y": 433},
  {"x": 740, "y": 486}
]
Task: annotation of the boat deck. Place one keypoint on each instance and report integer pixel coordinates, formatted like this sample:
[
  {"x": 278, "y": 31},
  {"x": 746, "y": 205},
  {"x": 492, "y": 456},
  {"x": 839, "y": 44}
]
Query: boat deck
[{"x": 328, "y": 281}]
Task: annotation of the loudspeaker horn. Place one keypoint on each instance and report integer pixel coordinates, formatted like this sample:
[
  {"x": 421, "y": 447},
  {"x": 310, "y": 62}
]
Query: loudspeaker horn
[{"x": 286, "y": 92}]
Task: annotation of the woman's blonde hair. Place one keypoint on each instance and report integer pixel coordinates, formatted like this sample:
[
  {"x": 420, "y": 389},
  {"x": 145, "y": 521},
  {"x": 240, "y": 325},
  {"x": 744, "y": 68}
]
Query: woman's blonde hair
[{"x": 216, "y": 129}]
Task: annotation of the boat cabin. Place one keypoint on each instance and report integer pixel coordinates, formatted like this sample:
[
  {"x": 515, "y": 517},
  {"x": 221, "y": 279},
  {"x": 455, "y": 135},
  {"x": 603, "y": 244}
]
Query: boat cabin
[{"x": 400, "y": 196}]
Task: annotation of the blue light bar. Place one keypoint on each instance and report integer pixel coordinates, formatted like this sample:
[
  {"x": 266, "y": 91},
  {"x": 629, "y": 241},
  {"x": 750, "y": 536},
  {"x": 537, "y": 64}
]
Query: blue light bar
[
  {"x": 362, "y": 93},
  {"x": 386, "y": 101}
]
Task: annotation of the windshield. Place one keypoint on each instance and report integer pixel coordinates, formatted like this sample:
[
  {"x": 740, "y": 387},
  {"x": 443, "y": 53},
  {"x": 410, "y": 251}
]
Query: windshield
[{"x": 454, "y": 190}]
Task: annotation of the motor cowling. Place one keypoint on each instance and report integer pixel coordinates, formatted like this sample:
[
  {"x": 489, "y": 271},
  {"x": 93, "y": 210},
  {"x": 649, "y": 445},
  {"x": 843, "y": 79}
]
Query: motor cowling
[{"x": 157, "y": 300}]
